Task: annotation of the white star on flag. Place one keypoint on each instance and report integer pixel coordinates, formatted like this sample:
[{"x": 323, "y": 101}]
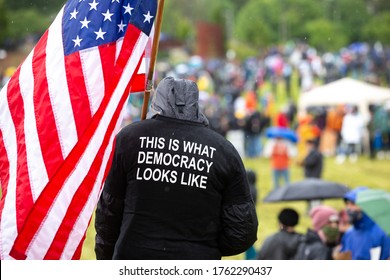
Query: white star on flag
[
  {"x": 128, "y": 9},
  {"x": 100, "y": 34},
  {"x": 77, "y": 41},
  {"x": 85, "y": 23},
  {"x": 121, "y": 26},
  {"x": 93, "y": 5},
  {"x": 148, "y": 17},
  {"x": 73, "y": 14},
  {"x": 107, "y": 15}
]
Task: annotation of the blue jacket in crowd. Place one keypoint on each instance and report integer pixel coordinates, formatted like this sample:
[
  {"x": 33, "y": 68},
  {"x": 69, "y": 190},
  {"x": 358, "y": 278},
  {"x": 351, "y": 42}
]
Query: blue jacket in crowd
[{"x": 364, "y": 236}]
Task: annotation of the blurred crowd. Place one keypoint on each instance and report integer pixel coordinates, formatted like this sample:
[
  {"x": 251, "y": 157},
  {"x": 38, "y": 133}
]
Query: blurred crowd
[
  {"x": 242, "y": 99},
  {"x": 350, "y": 233}
]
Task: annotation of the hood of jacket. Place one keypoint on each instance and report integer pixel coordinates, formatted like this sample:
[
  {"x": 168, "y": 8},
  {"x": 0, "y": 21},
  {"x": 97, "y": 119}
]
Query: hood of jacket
[
  {"x": 177, "y": 98},
  {"x": 365, "y": 222}
]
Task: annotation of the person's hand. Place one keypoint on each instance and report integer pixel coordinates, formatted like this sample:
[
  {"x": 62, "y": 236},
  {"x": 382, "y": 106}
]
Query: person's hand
[{"x": 337, "y": 255}]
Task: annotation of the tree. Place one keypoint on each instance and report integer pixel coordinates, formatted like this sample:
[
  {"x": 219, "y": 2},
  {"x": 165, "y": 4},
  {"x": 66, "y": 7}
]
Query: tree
[
  {"x": 293, "y": 15},
  {"x": 377, "y": 29},
  {"x": 377, "y": 6},
  {"x": 325, "y": 35},
  {"x": 254, "y": 23},
  {"x": 3, "y": 21},
  {"x": 42, "y": 5},
  {"x": 27, "y": 24},
  {"x": 275, "y": 21},
  {"x": 352, "y": 15},
  {"x": 175, "y": 23}
]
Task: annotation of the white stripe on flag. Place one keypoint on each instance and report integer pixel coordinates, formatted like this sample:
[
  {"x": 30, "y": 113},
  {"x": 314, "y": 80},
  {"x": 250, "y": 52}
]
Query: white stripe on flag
[
  {"x": 8, "y": 227},
  {"x": 142, "y": 67},
  {"x": 58, "y": 87},
  {"x": 118, "y": 48},
  {"x": 36, "y": 165},
  {"x": 94, "y": 78},
  {"x": 82, "y": 222}
]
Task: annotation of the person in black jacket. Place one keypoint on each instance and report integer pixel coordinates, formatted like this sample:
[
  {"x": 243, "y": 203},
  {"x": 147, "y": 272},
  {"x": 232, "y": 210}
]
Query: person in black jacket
[
  {"x": 313, "y": 162},
  {"x": 283, "y": 244},
  {"x": 176, "y": 189},
  {"x": 313, "y": 165}
]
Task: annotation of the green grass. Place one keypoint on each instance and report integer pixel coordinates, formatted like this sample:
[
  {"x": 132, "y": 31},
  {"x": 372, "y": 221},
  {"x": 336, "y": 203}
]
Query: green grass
[{"x": 373, "y": 174}]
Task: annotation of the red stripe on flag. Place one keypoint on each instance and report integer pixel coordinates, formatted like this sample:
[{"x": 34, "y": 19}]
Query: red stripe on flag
[
  {"x": 139, "y": 81},
  {"x": 83, "y": 192},
  {"x": 129, "y": 42},
  {"x": 46, "y": 125},
  {"x": 4, "y": 172},
  {"x": 24, "y": 200},
  {"x": 78, "y": 92},
  {"x": 50, "y": 192}
]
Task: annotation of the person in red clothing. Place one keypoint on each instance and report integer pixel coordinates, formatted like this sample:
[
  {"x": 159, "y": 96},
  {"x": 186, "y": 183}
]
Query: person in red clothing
[
  {"x": 280, "y": 151},
  {"x": 281, "y": 119}
]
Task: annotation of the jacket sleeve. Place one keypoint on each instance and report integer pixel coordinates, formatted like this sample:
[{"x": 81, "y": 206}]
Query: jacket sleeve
[
  {"x": 239, "y": 218},
  {"x": 109, "y": 211},
  {"x": 239, "y": 223},
  {"x": 107, "y": 224}
]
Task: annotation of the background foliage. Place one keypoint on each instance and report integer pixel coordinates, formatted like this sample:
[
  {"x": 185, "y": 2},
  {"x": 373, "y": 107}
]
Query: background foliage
[{"x": 325, "y": 24}]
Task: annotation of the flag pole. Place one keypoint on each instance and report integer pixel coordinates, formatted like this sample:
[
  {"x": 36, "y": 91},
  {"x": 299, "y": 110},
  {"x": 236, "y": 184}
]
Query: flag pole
[{"x": 153, "y": 58}]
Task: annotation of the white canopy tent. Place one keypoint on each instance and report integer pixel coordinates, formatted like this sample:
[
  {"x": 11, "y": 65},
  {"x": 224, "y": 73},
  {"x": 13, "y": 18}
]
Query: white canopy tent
[{"x": 345, "y": 91}]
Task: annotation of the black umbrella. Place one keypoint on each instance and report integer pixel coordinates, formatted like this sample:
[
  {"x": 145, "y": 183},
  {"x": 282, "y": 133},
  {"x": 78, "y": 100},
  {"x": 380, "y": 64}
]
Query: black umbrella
[{"x": 308, "y": 189}]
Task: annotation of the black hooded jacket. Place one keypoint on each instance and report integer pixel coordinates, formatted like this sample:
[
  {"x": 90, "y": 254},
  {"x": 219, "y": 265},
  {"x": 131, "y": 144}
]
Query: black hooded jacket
[
  {"x": 311, "y": 247},
  {"x": 176, "y": 189},
  {"x": 280, "y": 246}
]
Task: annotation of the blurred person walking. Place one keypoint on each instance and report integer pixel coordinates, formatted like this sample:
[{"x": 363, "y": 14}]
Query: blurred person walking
[
  {"x": 352, "y": 134},
  {"x": 334, "y": 122},
  {"x": 254, "y": 126},
  {"x": 312, "y": 165},
  {"x": 313, "y": 162}
]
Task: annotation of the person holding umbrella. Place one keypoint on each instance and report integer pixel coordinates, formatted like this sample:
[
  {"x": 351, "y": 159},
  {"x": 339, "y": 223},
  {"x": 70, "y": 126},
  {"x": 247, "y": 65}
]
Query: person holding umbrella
[
  {"x": 280, "y": 148},
  {"x": 365, "y": 240}
]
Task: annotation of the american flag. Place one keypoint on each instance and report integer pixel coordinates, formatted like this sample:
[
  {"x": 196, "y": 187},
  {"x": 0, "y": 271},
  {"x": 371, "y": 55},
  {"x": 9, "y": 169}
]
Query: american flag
[{"x": 59, "y": 114}]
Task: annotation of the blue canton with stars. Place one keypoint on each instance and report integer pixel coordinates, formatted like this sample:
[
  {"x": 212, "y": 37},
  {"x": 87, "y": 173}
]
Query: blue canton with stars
[{"x": 90, "y": 23}]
